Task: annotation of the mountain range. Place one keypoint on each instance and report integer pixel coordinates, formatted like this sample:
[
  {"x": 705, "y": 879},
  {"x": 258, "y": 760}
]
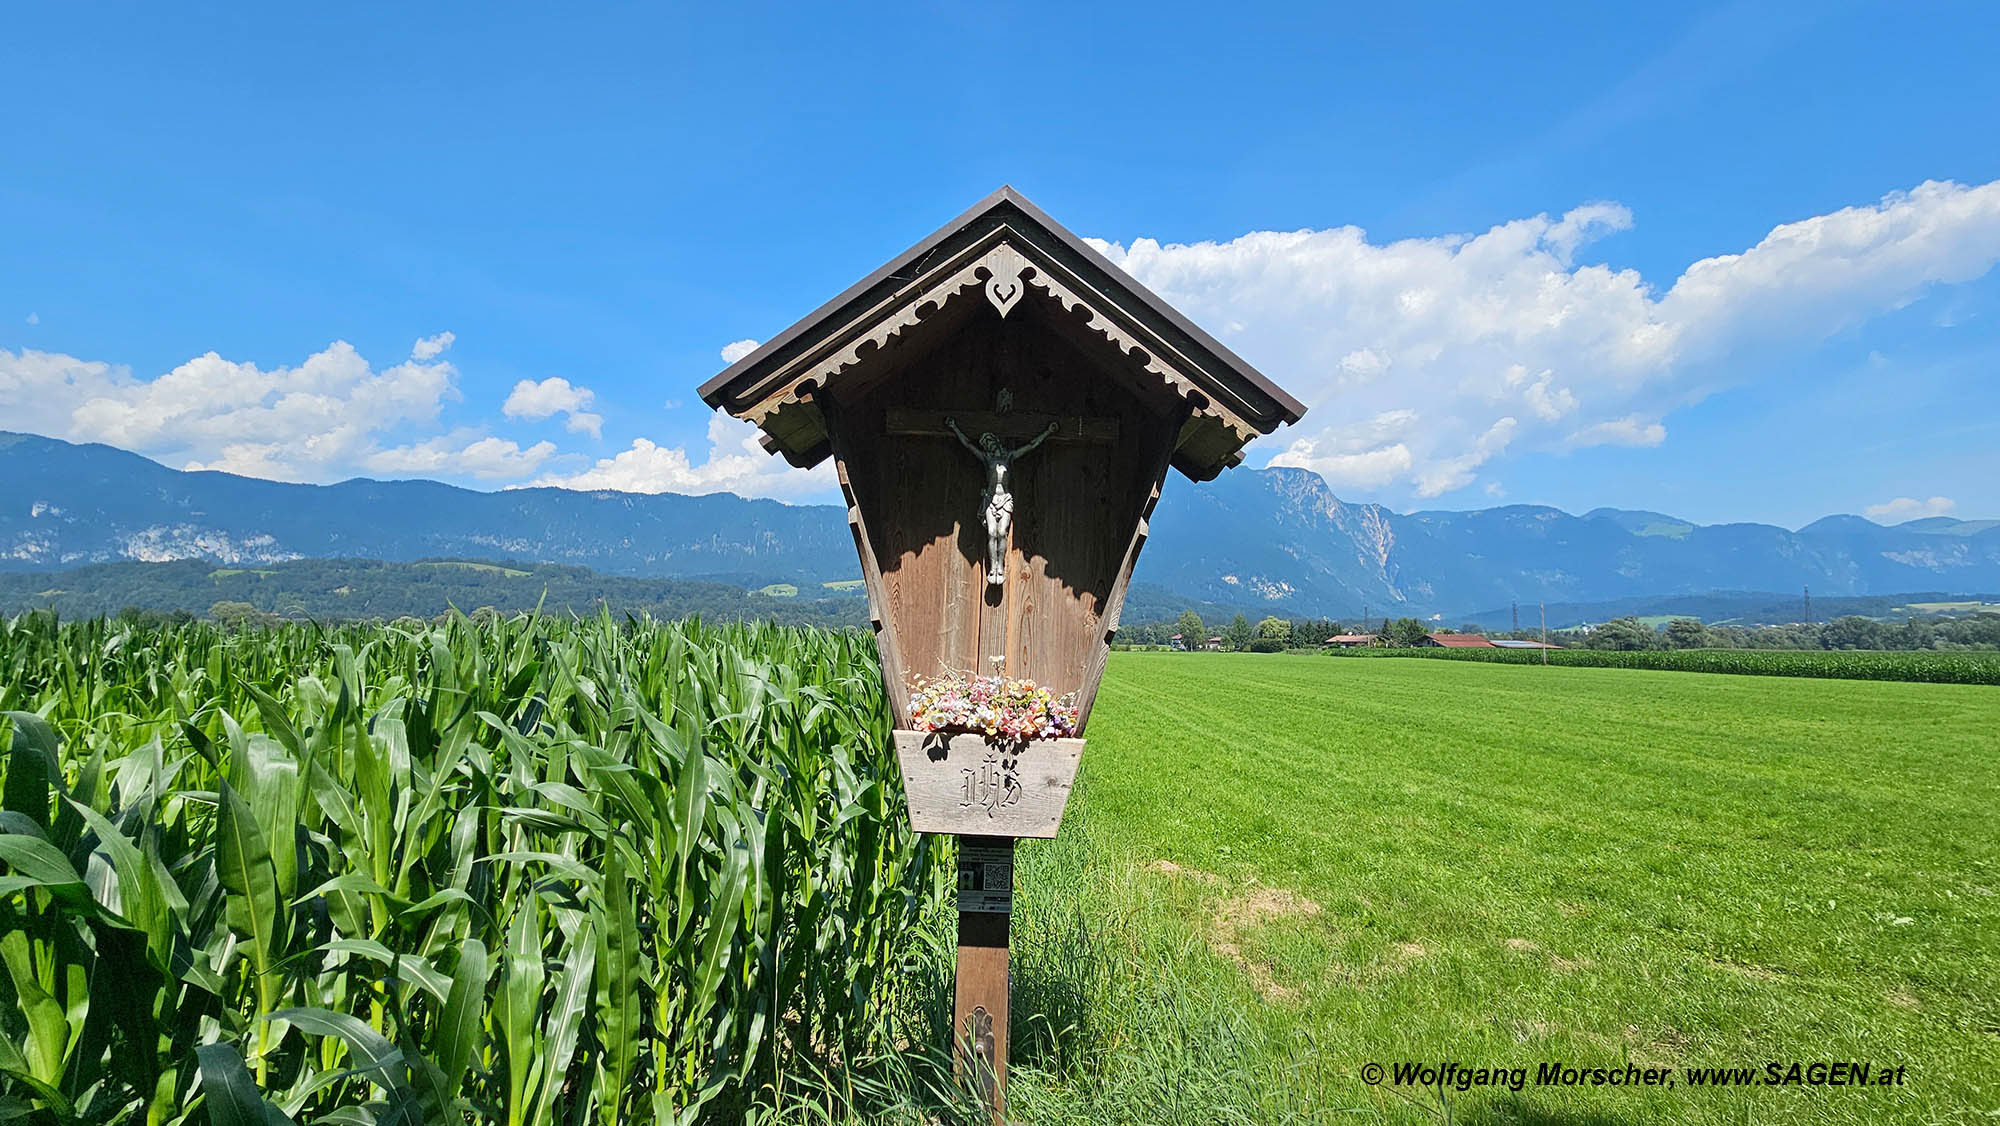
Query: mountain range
[{"x": 1275, "y": 540}]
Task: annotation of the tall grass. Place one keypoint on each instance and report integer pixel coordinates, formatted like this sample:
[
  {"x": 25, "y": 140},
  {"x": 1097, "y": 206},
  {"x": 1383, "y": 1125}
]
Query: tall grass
[{"x": 535, "y": 870}]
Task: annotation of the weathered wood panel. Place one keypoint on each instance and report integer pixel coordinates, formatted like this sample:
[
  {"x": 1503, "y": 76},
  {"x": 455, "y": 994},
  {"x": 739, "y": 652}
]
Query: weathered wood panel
[
  {"x": 965, "y": 785},
  {"x": 1077, "y": 499}
]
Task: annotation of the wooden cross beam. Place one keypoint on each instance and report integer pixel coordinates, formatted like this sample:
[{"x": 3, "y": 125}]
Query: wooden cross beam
[{"x": 1011, "y": 426}]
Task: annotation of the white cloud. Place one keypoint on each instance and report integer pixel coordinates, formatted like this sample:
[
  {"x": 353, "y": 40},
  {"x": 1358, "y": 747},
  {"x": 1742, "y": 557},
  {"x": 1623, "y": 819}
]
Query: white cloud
[
  {"x": 1368, "y": 454},
  {"x": 734, "y": 462},
  {"x": 1506, "y": 344},
  {"x": 736, "y": 350},
  {"x": 536, "y": 401},
  {"x": 487, "y": 458},
  {"x": 552, "y": 396},
  {"x": 1909, "y": 508},
  {"x": 323, "y": 419},
  {"x": 1452, "y": 473},
  {"x": 431, "y": 347},
  {"x": 335, "y": 416},
  {"x": 34, "y": 318},
  {"x": 1628, "y": 431}
]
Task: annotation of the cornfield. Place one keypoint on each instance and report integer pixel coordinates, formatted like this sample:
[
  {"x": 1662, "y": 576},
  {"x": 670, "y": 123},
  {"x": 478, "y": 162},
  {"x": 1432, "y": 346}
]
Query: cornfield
[
  {"x": 1920, "y": 665},
  {"x": 530, "y": 870}
]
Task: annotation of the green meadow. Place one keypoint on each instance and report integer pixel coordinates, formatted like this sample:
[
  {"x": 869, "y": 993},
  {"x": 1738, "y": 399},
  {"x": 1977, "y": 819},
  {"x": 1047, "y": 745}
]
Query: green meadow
[{"x": 1284, "y": 868}]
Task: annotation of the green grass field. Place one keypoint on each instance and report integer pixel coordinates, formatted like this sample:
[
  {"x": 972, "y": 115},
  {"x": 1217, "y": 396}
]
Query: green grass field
[
  {"x": 1279, "y": 869},
  {"x": 467, "y": 565}
]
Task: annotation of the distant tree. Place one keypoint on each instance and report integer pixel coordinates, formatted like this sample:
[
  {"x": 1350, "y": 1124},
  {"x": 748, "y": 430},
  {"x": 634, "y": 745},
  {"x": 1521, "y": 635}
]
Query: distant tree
[
  {"x": 1623, "y": 633},
  {"x": 1980, "y": 630},
  {"x": 1407, "y": 633},
  {"x": 1274, "y": 628},
  {"x": 1190, "y": 628},
  {"x": 1913, "y": 635},
  {"x": 1852, "y": 632},
  {"x": 1472, "y": 627},
  {"x": 1239, "y": 633},
  {"x": 232, "y": 614},
  {"x": 1686, "y": 633}
]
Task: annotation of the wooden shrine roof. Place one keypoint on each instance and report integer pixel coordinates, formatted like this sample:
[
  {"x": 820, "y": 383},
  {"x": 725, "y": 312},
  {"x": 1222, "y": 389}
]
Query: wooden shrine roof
[{"x": 1008, "y": 249}]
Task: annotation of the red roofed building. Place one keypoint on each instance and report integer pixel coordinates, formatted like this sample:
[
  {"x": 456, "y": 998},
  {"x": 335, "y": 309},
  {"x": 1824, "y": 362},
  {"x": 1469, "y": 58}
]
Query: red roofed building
[
  {"x": 1455, "y": 641},
  {"x": 1352, "y": 640}
]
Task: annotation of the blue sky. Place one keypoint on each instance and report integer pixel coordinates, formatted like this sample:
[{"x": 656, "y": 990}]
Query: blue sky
[{"x": 238, "y": 237}]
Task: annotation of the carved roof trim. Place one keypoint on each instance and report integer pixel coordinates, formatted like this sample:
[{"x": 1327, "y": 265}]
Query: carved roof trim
[{"x": 1004, "y": 246}]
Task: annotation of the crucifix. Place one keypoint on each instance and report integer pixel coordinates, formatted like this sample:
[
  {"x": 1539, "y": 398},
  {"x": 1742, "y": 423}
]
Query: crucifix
[
  {"x": 999, "y": 502},
  {"x": 990, "y": 447}
]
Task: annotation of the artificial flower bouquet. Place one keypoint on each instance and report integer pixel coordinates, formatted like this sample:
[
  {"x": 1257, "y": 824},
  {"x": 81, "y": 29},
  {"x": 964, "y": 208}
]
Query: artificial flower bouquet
[{"x": 994, "y": 706}]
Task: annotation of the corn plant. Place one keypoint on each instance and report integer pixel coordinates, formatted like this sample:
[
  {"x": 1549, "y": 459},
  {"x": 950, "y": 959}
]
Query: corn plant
[{"x": 533, "y": 870}]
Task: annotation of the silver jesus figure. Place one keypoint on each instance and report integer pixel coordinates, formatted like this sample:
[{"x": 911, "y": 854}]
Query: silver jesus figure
[{"x": 999, "y": 502}]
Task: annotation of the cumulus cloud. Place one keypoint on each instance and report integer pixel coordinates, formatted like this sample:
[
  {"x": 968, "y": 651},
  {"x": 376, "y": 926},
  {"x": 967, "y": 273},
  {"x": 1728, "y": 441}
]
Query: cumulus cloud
[
  {"x": 335, "y": 416},
  {"x": 1628, "y": 431},
  {"x": 486, "y": 458},
  {"x": 736, "y": 350},
  {"x": 34, "y": 318},
  {"x": 1460, "y": 349},
  {"x": 332, "y": 415},
  {"x": 536, "y": 401},
  {"x": 734, "y": 462},
  {"x": 431, "y": 347},
  {"x": 1909, "y": 508},
  {"x": 1447, "y": 474}
]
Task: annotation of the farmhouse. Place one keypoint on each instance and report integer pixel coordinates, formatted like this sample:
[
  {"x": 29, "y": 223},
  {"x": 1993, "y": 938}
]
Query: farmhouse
[
  {"x": 1454, "y": 641},
  {"x": 1351, "y": 640},
  {"x": 1213, "y": 643}
]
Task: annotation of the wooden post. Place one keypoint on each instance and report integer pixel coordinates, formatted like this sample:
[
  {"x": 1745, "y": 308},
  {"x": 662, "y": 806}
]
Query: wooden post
[
  {"x": 934, "y": 384},
  {"x": 979, "y": 1014}
]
